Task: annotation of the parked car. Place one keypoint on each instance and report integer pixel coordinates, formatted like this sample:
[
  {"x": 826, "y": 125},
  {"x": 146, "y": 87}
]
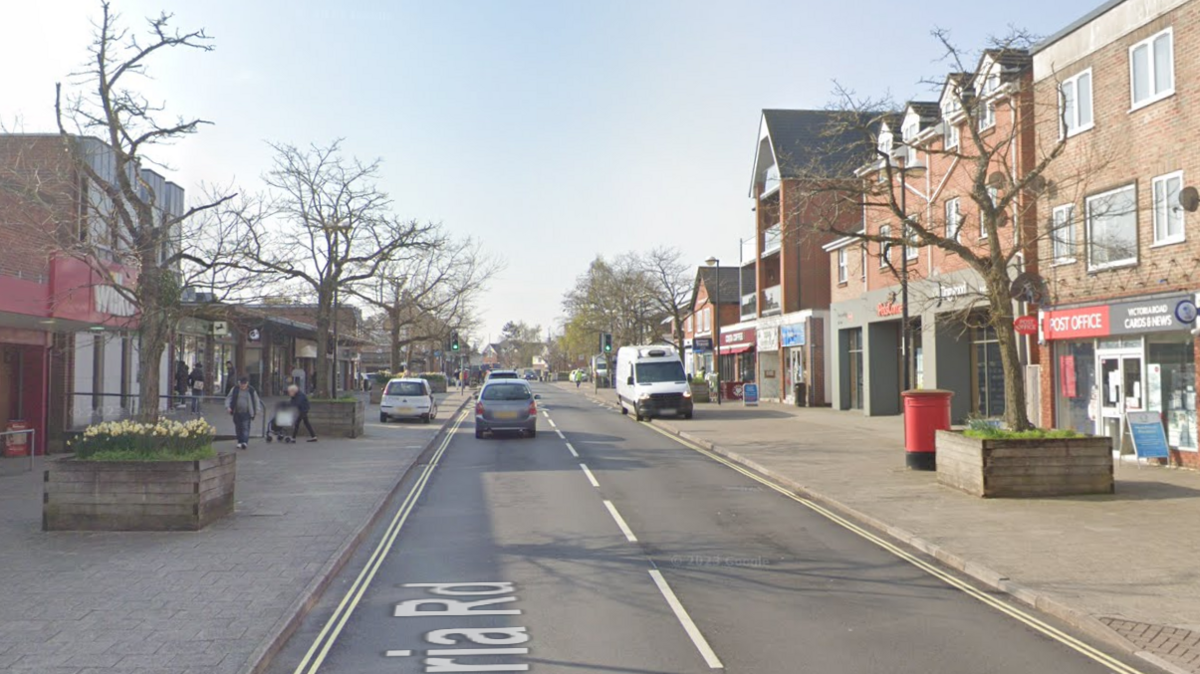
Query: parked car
[
  {"x": 407, "y": 398},
  {"x": 506, "y": 405}
]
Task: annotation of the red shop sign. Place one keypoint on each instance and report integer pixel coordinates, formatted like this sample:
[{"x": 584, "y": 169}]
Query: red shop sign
[
  {"x": 1076, "y": 323},
  {"x": 1025, "y": 325}
]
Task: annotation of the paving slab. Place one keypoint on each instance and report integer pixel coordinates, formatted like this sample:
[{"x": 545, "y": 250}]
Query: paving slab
[{"x": 215, "y": 600}]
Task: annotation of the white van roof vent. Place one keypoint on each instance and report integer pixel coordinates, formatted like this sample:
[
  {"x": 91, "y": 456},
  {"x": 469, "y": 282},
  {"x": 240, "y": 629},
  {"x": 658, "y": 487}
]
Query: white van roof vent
[{"x": 656, "y": 353}]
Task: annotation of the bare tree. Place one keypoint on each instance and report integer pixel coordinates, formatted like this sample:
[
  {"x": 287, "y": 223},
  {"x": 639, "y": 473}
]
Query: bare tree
[
  {"x": 995, "y": 166},
  {"x": 616, "y": 297},
  {"x": 671, "y": 284},
  {"x": 131, "y": 233},
  {"x": 429, "y": 292},
  {"x": 329, "y": 228}
]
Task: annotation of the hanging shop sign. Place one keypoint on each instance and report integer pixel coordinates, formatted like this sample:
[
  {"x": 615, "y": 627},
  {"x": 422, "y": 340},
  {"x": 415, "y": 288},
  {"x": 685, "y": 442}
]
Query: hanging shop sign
[
  {"x": 702, "y": 344},
  {"x": 1025, "y": 325},
  {"x": 768, "y": 339},
  {"x": 1123, "y": 318},
  {"x": 1185, "y": 311},
  {"x": 792, "y": 335}
]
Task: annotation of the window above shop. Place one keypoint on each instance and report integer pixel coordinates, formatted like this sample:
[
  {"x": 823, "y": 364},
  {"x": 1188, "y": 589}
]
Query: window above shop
[
  {"x": 1112, "y": 229},
  {"x": 1152, "y": 69}
]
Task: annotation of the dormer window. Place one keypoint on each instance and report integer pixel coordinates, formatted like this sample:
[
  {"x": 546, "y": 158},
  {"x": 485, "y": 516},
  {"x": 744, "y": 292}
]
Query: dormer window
[
  {"x": 909, "y": 133},
  {"x": 987, "y": 107},
  {"x": 771, "y": 178},
  {"x": 885, "y": 142}
]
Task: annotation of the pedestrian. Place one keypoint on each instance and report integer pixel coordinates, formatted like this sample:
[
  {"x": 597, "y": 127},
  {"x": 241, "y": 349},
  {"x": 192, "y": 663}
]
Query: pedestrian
[
  {"x": 242, "y": 403},
  {"x": 230, "y": 377},
  {"x": 299, "y": 376},
  {"x": 181, "y": 381},
  {"x": 195, "y": 382},
  {"x": 300, "y": 402}
]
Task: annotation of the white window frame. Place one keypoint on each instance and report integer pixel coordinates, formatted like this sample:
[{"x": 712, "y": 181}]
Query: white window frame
[
  {"x": 992, "y": 194},
  {"x": 951, "y": 141},
  {"x": 987, "y": 107},
  {"x": 1127, "y": 262},
  {"x": 885, "y": 247},
  {"x": 953, "y": 229},
  {"x": 1065, "y": 119},
  {"x": 1160, "y": 212},
  {"x": 1154, "y": 96},
  {"x": 863, "y": 248},
  {"x": 843, "y": 272},
  {"x": 1063, "y": 247},
  {"x": 911, "y": 250}
]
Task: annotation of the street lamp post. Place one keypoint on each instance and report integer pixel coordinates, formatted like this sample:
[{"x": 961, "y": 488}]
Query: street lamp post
[
  {"x": 714, "y": 262},
  {"x": 904, "y": 233}
]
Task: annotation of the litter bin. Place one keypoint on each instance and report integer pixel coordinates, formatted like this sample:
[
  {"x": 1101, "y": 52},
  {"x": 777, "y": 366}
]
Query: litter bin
[
  {"x": 800, "y": 394},
  {"x": 926, "y": 411}
]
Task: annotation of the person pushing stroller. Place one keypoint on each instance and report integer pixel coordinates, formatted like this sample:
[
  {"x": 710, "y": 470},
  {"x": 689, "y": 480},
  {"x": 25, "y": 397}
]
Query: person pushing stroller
[{"x": 282, "y": 418}]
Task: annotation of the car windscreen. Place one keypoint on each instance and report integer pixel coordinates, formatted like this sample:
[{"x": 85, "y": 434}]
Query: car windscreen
[
  {"x": 503, "y": 375},
  {"x": 649, "y": 373},
  {"x": 405, "y": 388},
  {"x": 505, "y": 392}
]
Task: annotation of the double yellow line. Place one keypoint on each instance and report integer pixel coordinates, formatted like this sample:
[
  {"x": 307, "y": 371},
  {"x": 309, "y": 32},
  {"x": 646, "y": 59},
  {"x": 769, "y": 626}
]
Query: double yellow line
[
  {"x": 1005, "y": 608},
  {"x": 333, "y": 627}
]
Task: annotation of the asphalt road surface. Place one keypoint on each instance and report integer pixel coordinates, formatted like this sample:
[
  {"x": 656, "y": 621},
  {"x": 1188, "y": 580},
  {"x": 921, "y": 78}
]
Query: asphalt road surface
[{"x": 602, "y": 545}]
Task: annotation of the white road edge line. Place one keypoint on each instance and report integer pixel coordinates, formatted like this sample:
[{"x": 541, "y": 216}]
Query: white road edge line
[
  {"x": 591, "y": 478},
  {"x": 573, "y": 452},
  {"x": 612, "y": 510},
  {"x": 686, "y": 620}
]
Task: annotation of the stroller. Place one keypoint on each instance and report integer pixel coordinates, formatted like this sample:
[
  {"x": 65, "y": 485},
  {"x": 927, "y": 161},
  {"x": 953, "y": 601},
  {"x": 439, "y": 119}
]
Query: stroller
[{"x": 282, "y": 421}]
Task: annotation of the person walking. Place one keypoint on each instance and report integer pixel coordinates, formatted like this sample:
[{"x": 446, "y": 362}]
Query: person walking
[
  {"x": 181, "y": 381},
  {"x": 195, "y": 382},
  {"x": 242, "y": 403},
  {"x": 300, "y": 402}
]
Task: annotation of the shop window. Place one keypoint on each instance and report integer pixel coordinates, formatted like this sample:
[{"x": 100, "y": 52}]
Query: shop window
[
  {"x": 1171, "y": 387},
  {"x": 1075, "y": 393},
  {"x": 987, "y": 373}
]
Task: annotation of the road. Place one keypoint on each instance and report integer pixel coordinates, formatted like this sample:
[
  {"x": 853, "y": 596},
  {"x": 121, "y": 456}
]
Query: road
[{"x": 603, "y": 545}]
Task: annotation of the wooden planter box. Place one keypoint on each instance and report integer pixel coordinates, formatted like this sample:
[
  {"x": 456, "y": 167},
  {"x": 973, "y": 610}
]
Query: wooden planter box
[
  {"x": 377, "y": 393},
  {"x": 437, "y": 384},
  {"x": 1025, "y": 468},
  {"x": 700, "y": 393},
  {"x": 337, "y": 418},
  {"x": 137, "y": 495}
]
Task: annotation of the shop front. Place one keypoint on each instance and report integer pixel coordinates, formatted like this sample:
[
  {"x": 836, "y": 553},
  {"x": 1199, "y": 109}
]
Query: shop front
[
  {"x": 737, "y": 358},
  {"x": 791, "y": 340},
  {"x": 1131, "y": 356}
]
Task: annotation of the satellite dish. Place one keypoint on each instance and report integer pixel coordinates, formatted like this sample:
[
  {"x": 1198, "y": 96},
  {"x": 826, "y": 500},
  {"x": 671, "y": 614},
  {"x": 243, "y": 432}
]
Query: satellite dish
[
  {"x": 1037, "y": 184},
  {"x": 997, "y": 179},
  {"x": 1189, "y": 198},
  {"x": 1002, "y": 219},
  {"x": 1051, "y": 189}
]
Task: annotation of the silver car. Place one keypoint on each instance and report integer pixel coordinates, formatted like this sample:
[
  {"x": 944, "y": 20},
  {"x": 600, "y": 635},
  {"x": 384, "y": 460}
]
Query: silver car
[{"x": 506, "y": 405}]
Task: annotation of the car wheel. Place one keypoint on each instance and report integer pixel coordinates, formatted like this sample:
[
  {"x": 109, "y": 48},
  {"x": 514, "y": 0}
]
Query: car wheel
[
  {"x": 688, "y": 415},
  {"x": 383, "y": 418},
  {"x": 425, "y": 418},
  {"x": 532, "y": 432}
]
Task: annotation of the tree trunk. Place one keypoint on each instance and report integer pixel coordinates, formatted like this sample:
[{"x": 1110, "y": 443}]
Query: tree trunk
[
  {"x": 1015, "y": 416},
  {"x": 152, "y": 331},
  {"x": 324, "y": 388},
  {"x": 394, "y": 316}
]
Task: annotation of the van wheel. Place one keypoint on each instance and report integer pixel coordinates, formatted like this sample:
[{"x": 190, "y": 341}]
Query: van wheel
[
  {"x": 622, "y": 406},
  {"x": 637, "y": 415}
]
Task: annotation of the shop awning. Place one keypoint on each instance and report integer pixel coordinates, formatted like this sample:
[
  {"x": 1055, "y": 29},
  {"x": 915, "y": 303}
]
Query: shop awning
[{"x": 732, "y": 349}]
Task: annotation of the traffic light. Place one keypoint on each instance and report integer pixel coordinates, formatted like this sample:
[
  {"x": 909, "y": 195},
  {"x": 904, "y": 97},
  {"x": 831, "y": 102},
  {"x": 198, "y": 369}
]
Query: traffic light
[
  {"x": 454, "y": 342},
  {"x": 606, "y": 342}
]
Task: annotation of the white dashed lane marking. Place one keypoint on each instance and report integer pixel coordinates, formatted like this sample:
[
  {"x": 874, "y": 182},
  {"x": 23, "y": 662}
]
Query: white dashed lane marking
[{"x": 591, "y": 478}]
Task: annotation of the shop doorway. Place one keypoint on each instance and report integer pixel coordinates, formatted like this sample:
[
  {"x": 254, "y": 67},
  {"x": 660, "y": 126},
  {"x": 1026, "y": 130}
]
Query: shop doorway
[
  {"x": 1122, "y": 390},
  {"x": 795, "y": 373},
  {"x": 855, "y": 357}
]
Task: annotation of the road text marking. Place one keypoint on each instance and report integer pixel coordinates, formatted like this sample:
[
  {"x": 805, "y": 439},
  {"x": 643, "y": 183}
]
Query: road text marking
[
  {"x": 681, "y": 614},
  {"x": 591, "y": 478},
  {"x": 612, "y": 510}
]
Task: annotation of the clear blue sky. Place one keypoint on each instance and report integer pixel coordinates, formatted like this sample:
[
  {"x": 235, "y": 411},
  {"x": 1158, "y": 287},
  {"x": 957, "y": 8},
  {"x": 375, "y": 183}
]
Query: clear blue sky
[{"x": 552, "y": 131}]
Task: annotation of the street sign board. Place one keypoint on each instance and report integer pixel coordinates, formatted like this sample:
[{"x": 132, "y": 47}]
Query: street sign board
[
  {"x": 702, "y": 344},
  {"x": 1149, "y": 439},
  {"x": 750, "y": 394},
  {"x": 1025, "y": 325}
]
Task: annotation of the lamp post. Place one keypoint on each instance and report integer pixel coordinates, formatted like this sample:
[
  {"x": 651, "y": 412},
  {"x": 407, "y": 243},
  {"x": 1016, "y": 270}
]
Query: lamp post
[
  {"x": 714, "y": 262},
  {"x": 904, "y": 229}
]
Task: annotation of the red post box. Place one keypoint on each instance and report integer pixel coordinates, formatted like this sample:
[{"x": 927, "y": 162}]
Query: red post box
[{"x": 925, "y": 412}]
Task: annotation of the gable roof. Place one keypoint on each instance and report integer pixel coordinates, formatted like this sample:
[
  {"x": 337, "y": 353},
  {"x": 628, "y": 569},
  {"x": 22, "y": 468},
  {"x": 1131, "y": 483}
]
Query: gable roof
[
  {"x": 799, "y": 140},
  {"x": 729, "y": 292}
]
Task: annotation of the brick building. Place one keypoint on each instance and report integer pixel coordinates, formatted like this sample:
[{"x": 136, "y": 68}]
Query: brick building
[
  {"x": 702, "y": 322},
  {"x": 1119, "y": 263},
  {"x": 926, "y": 162}
]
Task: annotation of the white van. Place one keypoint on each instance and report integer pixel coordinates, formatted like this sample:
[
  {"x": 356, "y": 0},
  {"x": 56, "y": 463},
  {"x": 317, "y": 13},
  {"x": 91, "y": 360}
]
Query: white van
[{"x": 651, "y": 382}]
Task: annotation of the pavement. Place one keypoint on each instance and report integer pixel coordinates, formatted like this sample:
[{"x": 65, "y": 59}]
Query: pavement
[
  {"x": 217, "y": 601},
  {"x": 1120, "y": 567}
]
